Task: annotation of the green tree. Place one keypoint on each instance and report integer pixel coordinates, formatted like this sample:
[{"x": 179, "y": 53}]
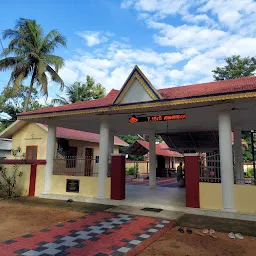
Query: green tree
[
  {"x": 12, "y": 101},
  {"x": 81, "y": 92},
  {"x": 31, "y": 56},
  {"x": 236, "y": 67}
]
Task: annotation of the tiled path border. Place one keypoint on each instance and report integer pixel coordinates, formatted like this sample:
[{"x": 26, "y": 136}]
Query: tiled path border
[{"x": 98, "y": 234}]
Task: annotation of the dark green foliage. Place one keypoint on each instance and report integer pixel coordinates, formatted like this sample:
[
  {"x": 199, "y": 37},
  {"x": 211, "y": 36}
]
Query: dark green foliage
[
  {"x": 133, "y": 170},
  {"x": 12, "y": 101},
  {"x": 236, "y": 67},
  {"x": 81, "y": 92}
]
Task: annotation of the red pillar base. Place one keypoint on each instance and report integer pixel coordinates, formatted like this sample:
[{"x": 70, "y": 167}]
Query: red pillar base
[
  {"x": 192, "y": 180},
  {"x": 118, "y": 177}
]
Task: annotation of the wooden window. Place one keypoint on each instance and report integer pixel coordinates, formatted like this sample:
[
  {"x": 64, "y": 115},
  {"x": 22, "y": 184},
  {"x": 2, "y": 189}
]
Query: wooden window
[
  {"x": 71, "y": 157},
  {"x": 31, "y": 152}
]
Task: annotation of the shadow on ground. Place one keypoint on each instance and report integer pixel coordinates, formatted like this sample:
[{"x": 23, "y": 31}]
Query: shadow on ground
[{"x": 73, "y": 206}]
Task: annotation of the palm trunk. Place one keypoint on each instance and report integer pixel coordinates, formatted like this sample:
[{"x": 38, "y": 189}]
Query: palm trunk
[{"x": 29, "y": 94}]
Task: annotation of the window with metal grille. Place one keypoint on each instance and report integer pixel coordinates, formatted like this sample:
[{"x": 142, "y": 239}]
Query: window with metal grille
[{"x": 71, "y": 156}]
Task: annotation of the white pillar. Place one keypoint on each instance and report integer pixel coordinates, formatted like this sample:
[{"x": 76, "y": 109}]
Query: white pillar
[
  {"x": 226, "y": 161},
  {"x": 238, "y": 150},
  {"x": 152, "y": 160},
  {"x": 110, "y": 149},
  {"x": 103, "y": 161},
  {"x": 50, "y": 153},
  {"x": 111, "y": 143}
]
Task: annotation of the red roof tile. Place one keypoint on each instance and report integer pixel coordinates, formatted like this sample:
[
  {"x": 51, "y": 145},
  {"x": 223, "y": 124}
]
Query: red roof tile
[
  {"x": 161, "y": 149},
  {"x": 210, "y": 88},
  {"x": 85, "y": 136},
  {"x": 188, "y": 91}
]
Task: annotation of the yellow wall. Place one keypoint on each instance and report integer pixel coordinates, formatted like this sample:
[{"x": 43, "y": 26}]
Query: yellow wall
[
  {"x": 88, "y": 186},
  {"x": 244, "y": 197},
  {"x": 34, "y": 135},
  {"x": 31, "y": 135},
  {"x": 210, "y": 195},
  {"x": 142, "y": 166},
  {"x": 39, "y": 180}
]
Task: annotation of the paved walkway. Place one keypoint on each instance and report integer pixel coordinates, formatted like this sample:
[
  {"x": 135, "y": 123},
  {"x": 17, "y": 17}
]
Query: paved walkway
[{"x": 95, "y": 234}]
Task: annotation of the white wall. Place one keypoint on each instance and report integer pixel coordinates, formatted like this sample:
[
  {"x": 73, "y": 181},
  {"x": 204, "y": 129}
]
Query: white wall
[{"x": 136, "y": 93}]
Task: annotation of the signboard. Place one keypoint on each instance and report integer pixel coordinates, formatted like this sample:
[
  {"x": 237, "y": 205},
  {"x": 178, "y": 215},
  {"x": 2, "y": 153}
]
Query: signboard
[
  {"x": 72, "y": 186},
  {"x": 139, "y": 119}
]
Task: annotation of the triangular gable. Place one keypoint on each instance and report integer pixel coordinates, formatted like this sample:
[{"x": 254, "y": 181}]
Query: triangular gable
[
  {"x": 137, "y": 88},
  {"x": 15, "y": 127}
]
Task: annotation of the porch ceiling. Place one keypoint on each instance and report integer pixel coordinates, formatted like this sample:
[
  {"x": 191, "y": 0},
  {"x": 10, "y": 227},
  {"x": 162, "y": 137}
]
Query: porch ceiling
[{"x": 198, "y": 141}]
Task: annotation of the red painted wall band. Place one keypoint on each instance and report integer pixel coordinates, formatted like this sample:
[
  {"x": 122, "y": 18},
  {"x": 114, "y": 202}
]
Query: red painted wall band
[{"x": 14, "y": 161}]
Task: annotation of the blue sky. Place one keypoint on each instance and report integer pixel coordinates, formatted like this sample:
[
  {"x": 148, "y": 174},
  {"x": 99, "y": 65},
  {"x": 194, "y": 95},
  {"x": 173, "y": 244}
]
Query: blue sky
[{"x": 174, "y": 42}]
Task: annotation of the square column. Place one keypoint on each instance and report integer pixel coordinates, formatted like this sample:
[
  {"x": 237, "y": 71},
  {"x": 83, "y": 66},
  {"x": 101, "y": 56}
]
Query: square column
[
  {"x": 50, "y": 153},
  {"x": 192, "y": 170},
  {"x": 152, "y": 160},
  {"x": 103, "y": 161},
  {"x": 238, "y": 151},
  {"x": 226, "y": 161},
  {"x": 118, "y": 177}
]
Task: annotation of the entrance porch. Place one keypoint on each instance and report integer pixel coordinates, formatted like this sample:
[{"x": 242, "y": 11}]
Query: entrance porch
[{"x": 138, "y": 108}]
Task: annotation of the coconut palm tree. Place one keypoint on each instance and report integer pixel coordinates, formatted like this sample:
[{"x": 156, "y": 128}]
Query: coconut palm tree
[
  {"x": 30, "y": 55},
  {"x": 81, "y": 92}
]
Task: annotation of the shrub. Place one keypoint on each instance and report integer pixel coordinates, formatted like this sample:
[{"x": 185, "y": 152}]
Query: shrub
[
  {"x": 130, "y": 171},
  {"x": 8, "y": 181},
  {"x": 250, "y": 172},
  {"x": 133, "y": 170}
]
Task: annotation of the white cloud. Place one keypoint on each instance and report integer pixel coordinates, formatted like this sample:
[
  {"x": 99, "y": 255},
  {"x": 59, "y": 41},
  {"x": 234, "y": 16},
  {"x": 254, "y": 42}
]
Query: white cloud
[
  {"x": 233, "y": 14},
  {"x": 203, "y": 32},
  {"x": 94, "y": 37},
  {"x": 197, "y": 19},
  {"x": 160, "y": 8},
  {"x": 112, "y": 68},
  {"x": 189, "y": 39},
  {"x": 187, "y": 36}
]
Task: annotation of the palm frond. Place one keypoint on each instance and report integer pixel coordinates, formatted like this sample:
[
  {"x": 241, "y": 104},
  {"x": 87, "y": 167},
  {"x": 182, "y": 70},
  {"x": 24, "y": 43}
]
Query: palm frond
[
  {"x": 17, "y": 81},
  {"x": 15, "y": 51},
  {"x": 9, "y": 62},
  {"x": 52, "y": 40},
  {"x": 43, "y": 81},
  {"x": 60, "y": 100},
  {"x": 55, "y": 77},
  {"x": 10, "y": 33},
  {"x": 54, "y": 60}
]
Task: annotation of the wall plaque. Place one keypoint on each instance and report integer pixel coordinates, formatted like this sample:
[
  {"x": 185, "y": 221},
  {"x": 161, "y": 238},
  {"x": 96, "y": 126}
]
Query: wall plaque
[{"x": 72, "y": 186}]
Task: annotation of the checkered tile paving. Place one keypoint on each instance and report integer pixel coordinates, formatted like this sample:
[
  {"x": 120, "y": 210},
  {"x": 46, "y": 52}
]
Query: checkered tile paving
[
  {"x": 95, "y": 234},
  {"x": 160, "y": 182}
]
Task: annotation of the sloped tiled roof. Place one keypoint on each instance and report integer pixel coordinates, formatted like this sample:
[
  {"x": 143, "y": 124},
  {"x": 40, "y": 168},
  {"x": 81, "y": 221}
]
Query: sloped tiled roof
[
  {"x": 179, "y": 92},
  {"x": 85, "y": 136},
  {"x": 141, "y": 147}
]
